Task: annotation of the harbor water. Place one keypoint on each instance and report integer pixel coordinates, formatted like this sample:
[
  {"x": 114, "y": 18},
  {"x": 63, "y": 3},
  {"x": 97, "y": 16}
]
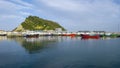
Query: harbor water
[{"x": 59, "y": 52}]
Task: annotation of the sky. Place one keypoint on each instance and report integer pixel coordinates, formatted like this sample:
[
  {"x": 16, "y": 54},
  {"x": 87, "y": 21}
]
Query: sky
[{"x": 73, "y": 15}]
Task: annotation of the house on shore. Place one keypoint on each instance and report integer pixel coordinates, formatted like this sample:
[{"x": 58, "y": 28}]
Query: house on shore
[{"x": 3, "y": 33}]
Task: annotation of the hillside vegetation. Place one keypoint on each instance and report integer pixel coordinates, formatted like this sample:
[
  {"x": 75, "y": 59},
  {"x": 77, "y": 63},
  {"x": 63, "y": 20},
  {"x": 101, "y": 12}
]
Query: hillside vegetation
[{"x": 36, "y": 23}]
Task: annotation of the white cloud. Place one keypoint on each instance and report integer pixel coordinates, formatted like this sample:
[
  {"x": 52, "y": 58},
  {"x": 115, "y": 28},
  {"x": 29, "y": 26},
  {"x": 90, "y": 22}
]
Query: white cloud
[
  {"x": 9, "y": 22},
  {"x": 82, "y": 12},
  {"x": 67, "y": 12},
  {"x": 99, "y": 9},
  {"x": 5, "y": 17},
  {"x": 6, "y": 5},
  {"x": 11, "y": 14},
  {"x": 23, "y": 3},
  {"x": 12, "y": 7},
  {"x": 25, "y": 13},
  {"x": 61, "y": 4},
  {"x": 81, "y": 5}
]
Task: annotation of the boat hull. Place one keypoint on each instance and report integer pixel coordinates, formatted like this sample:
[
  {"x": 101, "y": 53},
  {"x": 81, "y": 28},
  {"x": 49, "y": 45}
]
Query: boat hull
[
  {"x": 3, "y": 34},
  {"x": 30, "y": 36},
  {"x": 90, "y": 37}
]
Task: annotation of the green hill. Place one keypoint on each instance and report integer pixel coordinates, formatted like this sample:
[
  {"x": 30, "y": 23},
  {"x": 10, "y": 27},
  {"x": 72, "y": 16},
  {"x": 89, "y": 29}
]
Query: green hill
[{"x": 36, "y": 23}]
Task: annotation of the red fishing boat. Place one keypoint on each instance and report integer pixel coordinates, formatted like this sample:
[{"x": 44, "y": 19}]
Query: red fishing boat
[
  {"x": 86, "y": 36},
  {"x": 69, "y": 34}
]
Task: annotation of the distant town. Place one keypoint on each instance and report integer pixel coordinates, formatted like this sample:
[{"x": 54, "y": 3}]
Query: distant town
[{"x": 59, "y": 32}]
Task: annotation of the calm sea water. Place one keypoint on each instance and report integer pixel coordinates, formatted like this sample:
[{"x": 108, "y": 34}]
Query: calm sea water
[{"x": 59, "y": 52}]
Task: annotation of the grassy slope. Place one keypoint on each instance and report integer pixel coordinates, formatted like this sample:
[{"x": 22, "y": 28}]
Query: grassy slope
[{"x": 36, "y": 23}]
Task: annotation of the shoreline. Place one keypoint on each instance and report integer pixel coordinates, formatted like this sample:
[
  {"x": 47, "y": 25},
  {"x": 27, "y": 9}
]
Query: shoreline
[{"x": 71, "y": 34}]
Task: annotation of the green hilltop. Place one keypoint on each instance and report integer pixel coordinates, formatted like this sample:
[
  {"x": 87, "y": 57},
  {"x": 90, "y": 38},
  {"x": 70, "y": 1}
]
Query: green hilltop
[{"x": 36, "y": 23}]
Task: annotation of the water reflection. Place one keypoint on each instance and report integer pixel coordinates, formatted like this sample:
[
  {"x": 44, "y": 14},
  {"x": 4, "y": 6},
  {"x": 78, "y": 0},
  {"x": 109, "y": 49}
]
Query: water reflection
[
  {"x": 59, "y": 52},
  {"x": 3, "y": 38},
  {"x": 35, "y": 45}
]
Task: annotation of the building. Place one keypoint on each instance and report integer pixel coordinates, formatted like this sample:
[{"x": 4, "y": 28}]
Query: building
[
  {"x": 3, "y": 33},
  {"x": 99, "y": 32},
  {"x": 58, "y": 29},
  {"x": 83, "y": 32}
]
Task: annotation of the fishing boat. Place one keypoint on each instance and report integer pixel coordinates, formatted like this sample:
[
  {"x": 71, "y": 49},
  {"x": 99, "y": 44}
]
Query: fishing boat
[
  {"x": 118, "y": 35},
  {"x": 87, "y": 36},
  {"x": 3, "y": 34},
  {"x": 69, "y": 35},
  {"x": 30, "y": 35}
]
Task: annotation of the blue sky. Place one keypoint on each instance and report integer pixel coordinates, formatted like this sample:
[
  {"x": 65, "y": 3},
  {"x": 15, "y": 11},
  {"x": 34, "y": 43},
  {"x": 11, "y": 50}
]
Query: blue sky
[{"x": 74, "y": 15}]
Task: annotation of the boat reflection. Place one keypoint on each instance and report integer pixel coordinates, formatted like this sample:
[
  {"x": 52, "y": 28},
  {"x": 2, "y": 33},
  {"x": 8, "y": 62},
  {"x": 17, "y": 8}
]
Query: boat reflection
[
  {"x": 35, "y": 45},
  {"x": 89, "y": 38},
  {"x": 3, "y": 38}
]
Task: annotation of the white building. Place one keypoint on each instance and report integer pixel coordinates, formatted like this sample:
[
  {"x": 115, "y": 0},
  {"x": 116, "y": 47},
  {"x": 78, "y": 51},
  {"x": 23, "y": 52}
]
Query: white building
[
  {"x": 2, "y": 33},
  {"x": 58, "y": 29}
]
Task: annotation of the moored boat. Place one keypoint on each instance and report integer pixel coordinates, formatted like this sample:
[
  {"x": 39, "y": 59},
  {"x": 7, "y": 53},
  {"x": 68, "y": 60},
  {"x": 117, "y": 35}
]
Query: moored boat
[
  {"x": 69, "y": 34},
  {"x": 86, "y": 36},
  {"x": 30, "y": 36},
  {"x": 3, "y": 34}
]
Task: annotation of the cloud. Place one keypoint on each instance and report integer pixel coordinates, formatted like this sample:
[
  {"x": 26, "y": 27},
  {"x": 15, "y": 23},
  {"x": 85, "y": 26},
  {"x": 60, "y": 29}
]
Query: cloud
[
  {"x": 5, "y": 5},
  {"x": 80, "y": 14},
  {"x": 25, "y": 13},
  {"x": 83, "y": 6},
  {"x": 61, "y": 4},
  {"x": 23, "y": 3},
  {"x": 11, "y": 14},
  {"x": 83, "y": 13},
  {"x": 9, "y": 22}
]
